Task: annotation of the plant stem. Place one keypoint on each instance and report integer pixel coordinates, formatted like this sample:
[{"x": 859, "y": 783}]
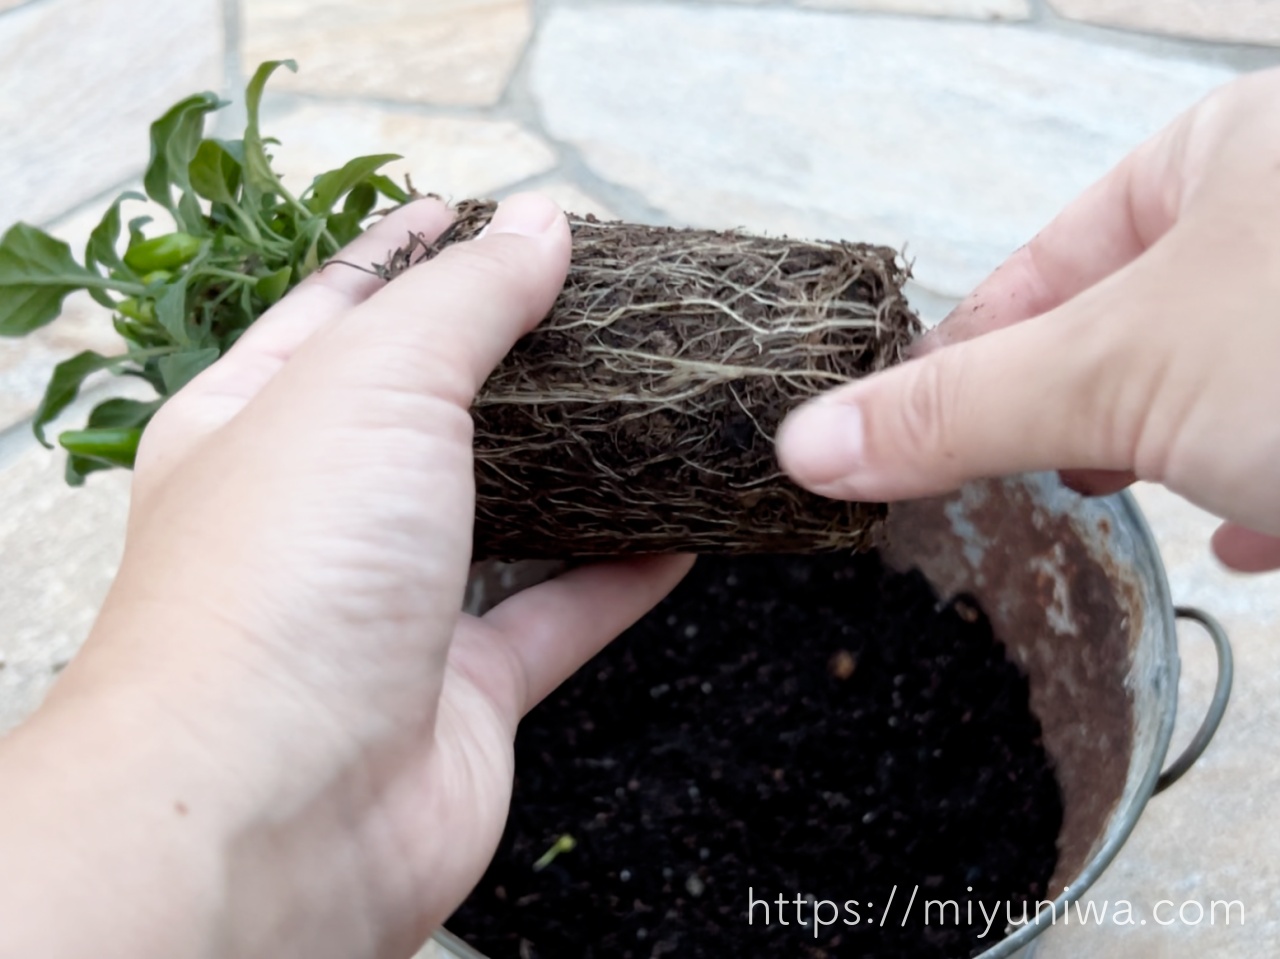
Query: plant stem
[{"x": 226, "y": 274}]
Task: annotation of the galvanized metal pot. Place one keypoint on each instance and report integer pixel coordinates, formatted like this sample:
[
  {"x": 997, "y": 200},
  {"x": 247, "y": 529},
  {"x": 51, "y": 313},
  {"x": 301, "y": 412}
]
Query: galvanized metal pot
[{"x": 1076, "y": 590}]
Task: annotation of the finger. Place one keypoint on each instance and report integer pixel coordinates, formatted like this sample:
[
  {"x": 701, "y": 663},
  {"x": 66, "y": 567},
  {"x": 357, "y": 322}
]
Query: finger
[
  {"x": 439, "y": 329},
  {"x": 218, "y": 394},
  {"x": 1059, "y": 391},
  {"x": 552, "y": 629},
  {"x": 1106, "y": 228},
  {"x": 1246, "y": 550},
  {"x": 1097, "y": 482}
]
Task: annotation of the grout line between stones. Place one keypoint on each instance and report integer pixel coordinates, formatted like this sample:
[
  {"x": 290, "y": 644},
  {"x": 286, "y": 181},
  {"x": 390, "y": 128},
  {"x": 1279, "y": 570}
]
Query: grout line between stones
[
  {"x": 278, "y": 102},
  {"x": 15, "y": 440},
  {"x": 1240, "y": 56},
  {"x": 23, "y": 6},
  {"x": 520, "y": 104},
  {"x": 230, "y": 120}
]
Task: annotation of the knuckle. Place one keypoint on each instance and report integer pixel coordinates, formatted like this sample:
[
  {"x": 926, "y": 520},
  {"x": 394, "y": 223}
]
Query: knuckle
[{"x": 924, "y": 417}]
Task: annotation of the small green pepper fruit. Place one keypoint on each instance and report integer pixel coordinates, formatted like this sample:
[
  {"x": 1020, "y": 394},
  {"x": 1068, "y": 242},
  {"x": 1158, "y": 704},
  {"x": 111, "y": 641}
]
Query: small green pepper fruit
[
  {"x": 143, "y": 312},
  {"x": 118, "y": 447},
  {"x": 166, "y": 252}
]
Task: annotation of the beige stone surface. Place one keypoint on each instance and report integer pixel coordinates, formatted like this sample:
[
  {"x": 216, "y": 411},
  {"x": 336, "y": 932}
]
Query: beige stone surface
[
  {"x": 453, "y": 156},
  {"x": 25, "y": 364},
  {"x": 80, "y": 84},
  {"x": 1242, "y": 21},
  {"x": 59, "y": 549},
  {"x": 1211, "y": 836},
  {"x": 957, "y": 140},
  {"x": 970, "y": 9},
  {"x": 573, "y": 199},
  {"x": 434, "y": 51}
]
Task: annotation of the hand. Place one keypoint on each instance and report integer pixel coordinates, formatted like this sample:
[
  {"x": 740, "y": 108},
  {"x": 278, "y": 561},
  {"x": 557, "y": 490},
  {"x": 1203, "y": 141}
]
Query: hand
[
  {"x": 282, "y": 738},
  {"x": 1137, "y": 336}
]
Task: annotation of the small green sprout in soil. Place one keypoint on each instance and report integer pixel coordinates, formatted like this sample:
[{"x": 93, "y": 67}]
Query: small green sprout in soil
[{"x": 563, "y": 844}]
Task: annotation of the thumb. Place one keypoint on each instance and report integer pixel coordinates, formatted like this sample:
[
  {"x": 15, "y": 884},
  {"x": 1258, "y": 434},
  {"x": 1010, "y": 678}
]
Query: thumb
[
  {"x": 1058, "y": 391},
  {"x": 444, "y": 324}
]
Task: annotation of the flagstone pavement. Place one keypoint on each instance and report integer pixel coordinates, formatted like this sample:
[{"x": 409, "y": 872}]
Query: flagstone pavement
[{"x": 950, "y": 128}]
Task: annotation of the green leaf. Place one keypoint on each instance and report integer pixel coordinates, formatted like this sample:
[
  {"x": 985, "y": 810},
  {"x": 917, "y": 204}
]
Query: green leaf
[
  {"x": 233, "y": 147},
  {"x": 257, "y": 167},
  {"x": 349, "y": 224},
  {"x": 175, "y": 138},
  {"x": 190, "y": 216},
  {"x": 135, "y": 228},
  {"x": 78, "y": 467},
  {"x": 64, "y": 387},
  {"x": 171, "y": 312},
  {"x": 101, "y": 251},
  {"x": 389, "y": 188},
  {"x": 120, "y": 413},
  {"x": 215, "y": 172},
  {"x": 344, "y": 227},
  {"x": 312, "y": 234},
  {"x": 179, "y": 369},
  {"x": 274, "y": 285},
  {"x": 361, "y": 200},
  {"x": 328, "y": 187},
  {"x": 37, "y": 271}
]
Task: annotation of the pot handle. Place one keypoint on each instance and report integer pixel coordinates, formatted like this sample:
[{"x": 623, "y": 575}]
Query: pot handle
[{"x": 1217, "y": 706}]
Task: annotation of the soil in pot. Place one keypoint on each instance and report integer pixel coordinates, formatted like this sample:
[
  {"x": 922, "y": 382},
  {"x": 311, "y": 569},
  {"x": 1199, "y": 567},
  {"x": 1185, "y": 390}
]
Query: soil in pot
[{"x": 815, "y": 727}]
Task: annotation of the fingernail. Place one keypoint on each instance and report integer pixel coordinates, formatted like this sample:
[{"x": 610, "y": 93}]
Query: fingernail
[
  {"x": 823, "y": 443},
  {"x": 525, "y": 214}
]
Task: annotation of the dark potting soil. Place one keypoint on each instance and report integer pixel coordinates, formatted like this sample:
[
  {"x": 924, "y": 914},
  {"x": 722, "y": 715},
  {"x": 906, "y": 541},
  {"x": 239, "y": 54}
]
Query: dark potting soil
[{"x": 779, "y": 727}]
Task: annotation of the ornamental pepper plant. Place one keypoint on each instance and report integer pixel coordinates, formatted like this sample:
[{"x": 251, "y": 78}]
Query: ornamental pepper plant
[{"x": 180, "y": 299}]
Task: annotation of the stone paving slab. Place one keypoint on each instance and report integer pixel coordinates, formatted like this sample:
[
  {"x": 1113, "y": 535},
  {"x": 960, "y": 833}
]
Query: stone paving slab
[
  {"x": 456, "y": 157},
  {"x": 573, "y": 199},
  {"x": 956, "y": 139},
  {"x": 1240, "y": 21},
  {"x": 80, "y": 84},
  {"x": 969, "y": 9},
  {"x": 59, "y": 549},
  {"x": 429, "y": 51}
]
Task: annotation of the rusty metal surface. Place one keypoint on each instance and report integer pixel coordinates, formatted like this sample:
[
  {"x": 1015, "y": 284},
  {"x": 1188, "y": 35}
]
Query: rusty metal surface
[
  {"x": 1056, "y": 608},
  {"x": 1076, "y": 590}
]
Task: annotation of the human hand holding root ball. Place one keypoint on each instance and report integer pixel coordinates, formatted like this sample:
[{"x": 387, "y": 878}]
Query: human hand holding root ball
[
  {"x": 1136, "y": 337},
  {"x": 283, "y": 739}
]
